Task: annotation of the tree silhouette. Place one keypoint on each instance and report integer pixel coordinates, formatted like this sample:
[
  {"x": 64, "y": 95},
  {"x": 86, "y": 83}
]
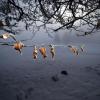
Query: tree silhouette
[{"x": 63, "y": 14}]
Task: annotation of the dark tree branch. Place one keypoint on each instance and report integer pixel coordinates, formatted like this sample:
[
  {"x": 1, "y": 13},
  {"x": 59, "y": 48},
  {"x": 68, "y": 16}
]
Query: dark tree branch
[{"x": 44, "y": 12}]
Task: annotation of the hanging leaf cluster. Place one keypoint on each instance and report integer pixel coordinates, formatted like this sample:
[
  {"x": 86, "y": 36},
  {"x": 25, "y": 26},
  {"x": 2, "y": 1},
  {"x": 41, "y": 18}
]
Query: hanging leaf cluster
[{"x": 18, "y": 46}]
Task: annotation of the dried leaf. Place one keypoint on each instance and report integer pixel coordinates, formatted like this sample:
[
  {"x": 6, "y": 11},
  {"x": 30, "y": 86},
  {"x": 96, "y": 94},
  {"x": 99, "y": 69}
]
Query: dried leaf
[
  {"x": 43, "y": 52},
  {"x": 52, "y": 50},
  {"x": 18, "y": 46},
  {"x": 73, "y": 49},
  {"x": 82, "y": 47},
  {"x": 35, "y": 52},
  {"x": 7, "y": 35}
]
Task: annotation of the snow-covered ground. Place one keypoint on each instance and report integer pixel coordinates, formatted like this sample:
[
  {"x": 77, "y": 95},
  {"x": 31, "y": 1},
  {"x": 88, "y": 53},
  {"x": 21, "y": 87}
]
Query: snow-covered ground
[{"x": 22, "y": 78}]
